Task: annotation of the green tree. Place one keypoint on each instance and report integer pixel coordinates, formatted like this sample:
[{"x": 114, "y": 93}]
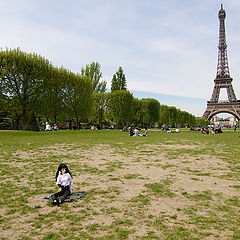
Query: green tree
[
  {"x": 185, "y": 118},
  {"x": 114, "y": 85},
  {"x": 172, "y": 114},
  {"x": 122, "y": 107},
  {"x": 119, "y": 81},
  {"x": 93, "y": 72},
  {"x": 178, "y": 117},
  {"x": 77, "y": 96},
  {"x": 163, "y": 115},
  {"x": 153, "y": 106},
  {"x": 192, "y": 119},
  {"x": 14, "y": 112},
  {"x": 22, "y": 75},
  {"x": 202, "y": 122},
  {"x": 100, "y": 102},
  {"x": 4, "y": 110},
  {"x": 51, "y": 94},
  {"x": 32, "y": 124},
  {"x": 3, "y": 104},
  {"x": 143, "y": 113}
]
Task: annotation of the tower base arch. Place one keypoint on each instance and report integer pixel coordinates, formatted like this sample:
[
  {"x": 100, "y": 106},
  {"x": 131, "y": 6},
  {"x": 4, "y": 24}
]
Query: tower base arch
[{"x": 222, "y": 107}]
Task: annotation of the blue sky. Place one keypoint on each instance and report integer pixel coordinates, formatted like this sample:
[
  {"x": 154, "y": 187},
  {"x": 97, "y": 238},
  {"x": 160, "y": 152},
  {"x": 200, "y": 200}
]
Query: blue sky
[{"x": 168, "y": 49}]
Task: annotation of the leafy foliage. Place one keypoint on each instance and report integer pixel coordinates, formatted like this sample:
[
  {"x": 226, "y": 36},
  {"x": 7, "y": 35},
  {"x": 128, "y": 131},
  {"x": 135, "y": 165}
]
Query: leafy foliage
[
  {"x": 51, "y": 94},
  {"x": 202, "y": 122},
  {"x": 175, "y": 117},
  {"x": 77, "y": 96},
  {"x": 121, "y": 107},
  {"x": 100, "y": 107},
  {"x": 21, "y": 77},
  {"x": 30, "y": 83},
  {"x": 93, "y": 72},
  {"x": 119, "y": 81},
  {"x": 32, "y": 124},
  {"x": 3, "y": 106},
  {"x": 149, "y": 111}
]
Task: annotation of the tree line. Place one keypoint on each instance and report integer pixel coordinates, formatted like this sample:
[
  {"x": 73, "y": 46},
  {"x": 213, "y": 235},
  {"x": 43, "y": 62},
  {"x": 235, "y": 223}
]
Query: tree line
[{"x": 32, "y": 91}]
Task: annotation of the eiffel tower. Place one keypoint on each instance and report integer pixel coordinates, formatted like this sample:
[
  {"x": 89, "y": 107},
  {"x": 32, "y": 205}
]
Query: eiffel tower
[{"x": 223, "y": 79}]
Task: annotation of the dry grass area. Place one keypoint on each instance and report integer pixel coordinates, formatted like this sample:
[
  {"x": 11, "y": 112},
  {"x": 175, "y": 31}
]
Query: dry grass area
[{"x": 152, "y": 191}]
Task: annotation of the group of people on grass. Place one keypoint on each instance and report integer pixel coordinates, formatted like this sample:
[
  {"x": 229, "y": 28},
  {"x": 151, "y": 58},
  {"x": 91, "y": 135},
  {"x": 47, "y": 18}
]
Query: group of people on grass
[
  {"x": 177, "y": 130},
  {"x": 206, "y": 130},
  {"x": 168, "y": 130},
  {"x": 49, "y": 128},
  {"x": 134, "y": 132},
  {"x": 104, "y": 127}
]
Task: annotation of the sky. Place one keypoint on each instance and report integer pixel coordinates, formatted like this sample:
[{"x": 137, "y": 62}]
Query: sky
[{"x": 167, "y": 49}]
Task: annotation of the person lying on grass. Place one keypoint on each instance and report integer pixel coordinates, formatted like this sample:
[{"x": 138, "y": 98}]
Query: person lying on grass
[{"x": 64, "y": 180}]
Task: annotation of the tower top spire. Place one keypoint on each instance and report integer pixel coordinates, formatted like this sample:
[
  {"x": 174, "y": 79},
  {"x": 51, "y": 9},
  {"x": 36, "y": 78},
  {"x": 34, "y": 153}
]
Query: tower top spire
[
  {"x": 222, "y": 13},
  {"x": 222, "y": 68}
]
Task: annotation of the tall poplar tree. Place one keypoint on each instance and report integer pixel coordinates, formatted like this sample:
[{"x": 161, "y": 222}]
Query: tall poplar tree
[
  {"x": 122, "y": 107},
  {"x": 149, "y": 111},
  {"x": 119, "y": 81}
]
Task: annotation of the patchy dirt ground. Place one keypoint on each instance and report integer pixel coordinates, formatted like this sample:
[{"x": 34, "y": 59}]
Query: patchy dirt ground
[{"x": 140, "y": 193}]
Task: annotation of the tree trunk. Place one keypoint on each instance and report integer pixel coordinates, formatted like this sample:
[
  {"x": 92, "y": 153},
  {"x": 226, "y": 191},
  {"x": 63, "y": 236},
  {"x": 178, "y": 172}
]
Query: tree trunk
[
  {"x": 78, "y": 127},
  {"x": 24, "y": 118},
  {"x": 17, "y": 123},
  {"x": 100, "y": 117}
]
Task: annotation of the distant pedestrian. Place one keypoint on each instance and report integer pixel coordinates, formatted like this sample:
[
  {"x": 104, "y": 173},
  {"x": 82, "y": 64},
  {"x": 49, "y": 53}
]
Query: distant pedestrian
[{"x": 235, "y": 126}]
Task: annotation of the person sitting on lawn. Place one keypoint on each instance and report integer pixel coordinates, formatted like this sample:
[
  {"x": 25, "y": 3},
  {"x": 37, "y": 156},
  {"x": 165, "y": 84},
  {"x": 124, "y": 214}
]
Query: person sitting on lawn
[
  {"x": 64, "y": 180},
  {"x": 219, "y": 130},
  {"x": 125, "y": 129},
  {"x": 177, "y": 130},
  {"x": 146, "y": 134},
  {"x": 130, "y": 131},
  {"x": 212, "y": 130},
  {"x": 204, "y": 130},
  {"x": 174, "y": 131},
  {"x": 55, "y": 127},
  {"x": 136, "y": 133},
  {"x": 48, "y": 127}
]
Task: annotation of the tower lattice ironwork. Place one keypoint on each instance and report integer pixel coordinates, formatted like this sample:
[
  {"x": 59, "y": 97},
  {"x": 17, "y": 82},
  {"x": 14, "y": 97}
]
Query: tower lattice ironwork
[{"x": 223, "y": 79}]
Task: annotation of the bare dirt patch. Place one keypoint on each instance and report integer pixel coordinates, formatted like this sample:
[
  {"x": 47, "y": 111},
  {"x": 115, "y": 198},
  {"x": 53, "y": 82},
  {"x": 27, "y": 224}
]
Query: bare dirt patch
[{"x": 141, "y": 187}]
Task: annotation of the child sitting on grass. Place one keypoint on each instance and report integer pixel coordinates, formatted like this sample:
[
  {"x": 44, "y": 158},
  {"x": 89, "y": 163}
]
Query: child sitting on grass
[{"x": 64, "y": 181}]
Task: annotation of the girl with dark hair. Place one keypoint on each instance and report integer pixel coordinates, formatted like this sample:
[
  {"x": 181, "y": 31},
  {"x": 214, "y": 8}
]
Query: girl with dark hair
[
  {"x": 64, "y": 181},
  {"x": 131, "y": 131}
]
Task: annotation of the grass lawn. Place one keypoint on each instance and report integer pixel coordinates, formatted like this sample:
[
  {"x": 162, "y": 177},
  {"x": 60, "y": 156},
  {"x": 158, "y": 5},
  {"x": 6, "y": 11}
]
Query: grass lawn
[{"x": 166, "y": 186}]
